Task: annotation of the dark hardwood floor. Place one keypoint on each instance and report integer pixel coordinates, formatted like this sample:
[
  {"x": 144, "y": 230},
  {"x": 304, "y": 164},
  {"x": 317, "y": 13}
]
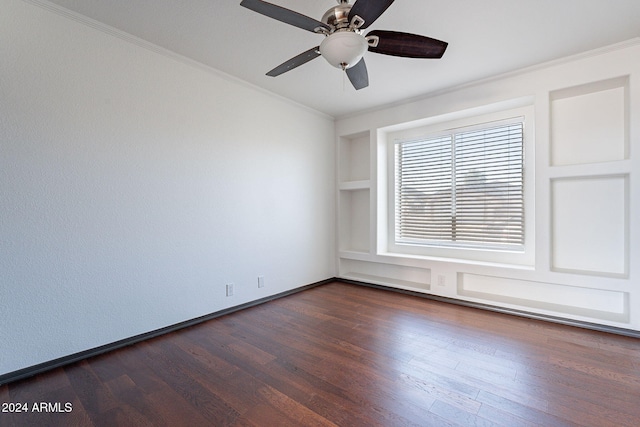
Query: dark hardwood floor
[{"x": 347, "y": 355}]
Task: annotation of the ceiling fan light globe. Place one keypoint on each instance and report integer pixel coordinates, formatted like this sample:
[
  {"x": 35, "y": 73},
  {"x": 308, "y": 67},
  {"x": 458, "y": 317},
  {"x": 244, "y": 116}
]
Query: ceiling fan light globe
[{"x": 343, "y": 49}]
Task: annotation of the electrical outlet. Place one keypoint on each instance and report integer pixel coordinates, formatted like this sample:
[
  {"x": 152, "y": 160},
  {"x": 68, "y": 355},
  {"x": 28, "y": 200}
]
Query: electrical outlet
[
  {"x": 230, "y": 289},
  {"x": 442, "y": 280},
  {"x": 261, "y": 281}
]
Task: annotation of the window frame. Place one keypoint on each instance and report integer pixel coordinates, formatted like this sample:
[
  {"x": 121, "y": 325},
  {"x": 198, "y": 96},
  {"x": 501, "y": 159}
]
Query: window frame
[{"x": 523, "y": 255}]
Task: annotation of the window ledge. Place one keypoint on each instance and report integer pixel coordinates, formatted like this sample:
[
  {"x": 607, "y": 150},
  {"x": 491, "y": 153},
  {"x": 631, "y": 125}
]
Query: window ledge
[{"x": 400, "y": 256}]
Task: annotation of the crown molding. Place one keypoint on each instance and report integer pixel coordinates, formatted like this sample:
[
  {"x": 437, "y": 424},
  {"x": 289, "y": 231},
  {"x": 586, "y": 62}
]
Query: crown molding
[
  {"x": 139, "y": 42},
  {"x": 509, "y": 74}
]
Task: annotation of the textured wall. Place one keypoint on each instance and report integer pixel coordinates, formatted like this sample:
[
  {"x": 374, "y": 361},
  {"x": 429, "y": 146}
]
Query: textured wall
[{"x": 134, "y": 186}]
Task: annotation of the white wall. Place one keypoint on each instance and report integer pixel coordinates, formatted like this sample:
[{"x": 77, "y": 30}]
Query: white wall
[
  {"x": 135, "y": 185},
  {"x": 586, "y": 207}
]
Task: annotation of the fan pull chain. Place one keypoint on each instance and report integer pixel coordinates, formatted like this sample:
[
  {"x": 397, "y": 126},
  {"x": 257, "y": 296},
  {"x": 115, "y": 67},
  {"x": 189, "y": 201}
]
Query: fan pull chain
[{"x": 344, "y": 73}]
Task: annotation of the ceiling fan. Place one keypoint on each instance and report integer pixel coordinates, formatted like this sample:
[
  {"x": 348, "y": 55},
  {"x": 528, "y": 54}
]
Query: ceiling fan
[{"x": 345, "y": 45}]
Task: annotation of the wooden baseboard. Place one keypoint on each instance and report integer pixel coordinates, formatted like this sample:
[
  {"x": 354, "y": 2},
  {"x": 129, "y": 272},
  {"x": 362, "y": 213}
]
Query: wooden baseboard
[{"x": 76, "y": 357}]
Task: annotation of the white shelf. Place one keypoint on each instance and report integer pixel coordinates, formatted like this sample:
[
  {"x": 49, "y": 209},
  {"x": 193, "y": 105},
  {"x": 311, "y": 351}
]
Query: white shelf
[
  {"x": 617, "y": 167},
  {"x": 364, "y": 184},
  {"x": 356, "y": 255}
]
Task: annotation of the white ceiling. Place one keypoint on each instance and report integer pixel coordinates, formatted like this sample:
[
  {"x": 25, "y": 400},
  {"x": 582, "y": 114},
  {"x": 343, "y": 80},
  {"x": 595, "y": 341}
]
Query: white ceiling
[{"x": 486, "y": 38}]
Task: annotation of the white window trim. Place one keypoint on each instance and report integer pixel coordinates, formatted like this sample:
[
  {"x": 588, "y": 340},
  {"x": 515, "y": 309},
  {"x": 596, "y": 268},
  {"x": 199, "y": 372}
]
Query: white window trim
[{"x": 516, "y": 257}]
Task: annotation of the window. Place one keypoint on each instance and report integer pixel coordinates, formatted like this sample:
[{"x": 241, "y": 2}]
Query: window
[{"x": 462, "y": 188}]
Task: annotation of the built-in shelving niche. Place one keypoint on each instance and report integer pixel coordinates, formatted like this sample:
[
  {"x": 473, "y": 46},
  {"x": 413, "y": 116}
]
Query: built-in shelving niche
[
  {"x": 354, "y": 188},
  {"x": 590, "y": 303},
  {"x": 354, "y": 221},
  {"x": 590, "y": 123},
  {"x": 589, "y": 185},
  {"x": 398, "y": 276}
]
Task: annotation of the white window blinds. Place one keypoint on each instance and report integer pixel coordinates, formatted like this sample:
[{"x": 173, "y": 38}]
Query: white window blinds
[{"x": 464, "y": 188}]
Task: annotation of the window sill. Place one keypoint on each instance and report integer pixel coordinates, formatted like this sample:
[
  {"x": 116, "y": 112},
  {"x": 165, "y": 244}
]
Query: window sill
[{"x": 391, "y": 256}]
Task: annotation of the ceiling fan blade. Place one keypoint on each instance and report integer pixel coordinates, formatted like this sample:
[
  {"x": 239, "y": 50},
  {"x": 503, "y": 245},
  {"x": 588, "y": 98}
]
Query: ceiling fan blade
[
  {"x": 407, "y": 45},
  {"x": 284, "y": 15},
  {"x": 296, "y": 61},
  {"x": 369, "y": 10},
  {"x": 358, "y": 75}
]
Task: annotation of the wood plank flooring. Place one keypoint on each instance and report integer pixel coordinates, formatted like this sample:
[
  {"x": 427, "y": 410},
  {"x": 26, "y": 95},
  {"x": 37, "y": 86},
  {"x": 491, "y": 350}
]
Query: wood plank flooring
[{"x": 346, "y": 355}]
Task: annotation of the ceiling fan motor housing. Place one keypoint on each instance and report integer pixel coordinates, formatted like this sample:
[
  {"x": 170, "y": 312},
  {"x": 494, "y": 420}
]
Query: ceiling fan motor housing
[{"x": 337, "y": 17}]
